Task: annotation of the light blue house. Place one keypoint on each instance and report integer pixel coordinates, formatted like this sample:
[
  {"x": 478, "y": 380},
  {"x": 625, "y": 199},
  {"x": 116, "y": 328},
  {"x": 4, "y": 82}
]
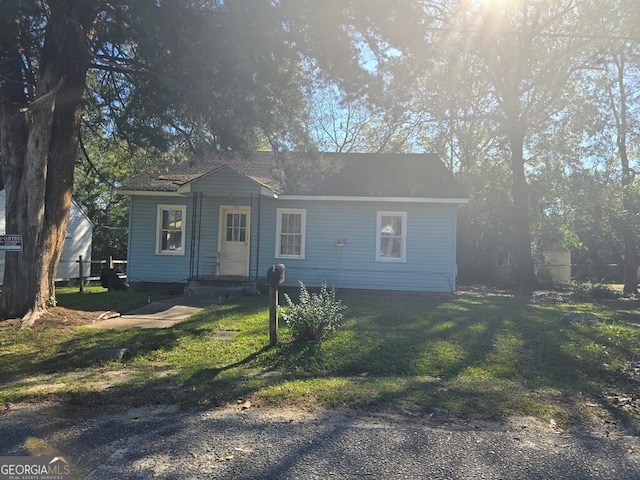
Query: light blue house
[{"x": 364, "y": 221}]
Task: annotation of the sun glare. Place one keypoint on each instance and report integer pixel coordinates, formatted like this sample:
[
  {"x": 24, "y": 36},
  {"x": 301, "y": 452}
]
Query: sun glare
[
  {"x": 485, "y": 5},
  {"x": 498, "y": 13},
  {"x": 496, "y": 3}
]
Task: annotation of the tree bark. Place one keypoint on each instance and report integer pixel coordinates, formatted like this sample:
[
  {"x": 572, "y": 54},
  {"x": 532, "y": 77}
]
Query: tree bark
[
  {"x": 523, "y": 269},
  {"x": 39, "y": 141},
  {"x": 628, "y": 236}
]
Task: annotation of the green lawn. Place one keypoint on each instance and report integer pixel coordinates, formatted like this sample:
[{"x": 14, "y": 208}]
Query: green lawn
[{"x": 471, "y": 355}]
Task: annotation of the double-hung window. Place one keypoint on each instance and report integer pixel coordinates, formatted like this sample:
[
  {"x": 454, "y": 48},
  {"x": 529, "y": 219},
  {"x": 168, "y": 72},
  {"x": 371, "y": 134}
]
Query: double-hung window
[
  {"x": 391, "y": 238},
  {"x": 290, "y": 232},
  {"x": 170, "y": 229}
]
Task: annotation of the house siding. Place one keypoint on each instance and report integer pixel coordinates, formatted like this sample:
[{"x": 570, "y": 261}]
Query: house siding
[
  {"x": 143, "y": 264},
  {"x": 430, "y": 256},
  {"x": 225, "y": 183},
  {"x": 78, "y": 241}
]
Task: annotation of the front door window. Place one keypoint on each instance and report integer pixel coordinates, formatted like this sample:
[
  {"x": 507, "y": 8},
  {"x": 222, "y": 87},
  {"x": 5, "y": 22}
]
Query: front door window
[{"x": 236, "y": 227}]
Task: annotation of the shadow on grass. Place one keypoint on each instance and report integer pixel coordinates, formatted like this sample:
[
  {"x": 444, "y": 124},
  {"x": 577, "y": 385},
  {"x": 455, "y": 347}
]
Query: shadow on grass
[
  {"x": 203, "y": 388},
  {"x": 76, "y": 350},
  {"x": 96, "y": 298},
  {"x": 469, "y": 356},
  {"x": 208, "y": 375},
  {"x": 462, "y": 356}
]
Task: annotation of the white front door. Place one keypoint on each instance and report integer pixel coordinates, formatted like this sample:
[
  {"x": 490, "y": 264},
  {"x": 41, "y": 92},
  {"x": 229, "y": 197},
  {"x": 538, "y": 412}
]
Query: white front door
[{"x": 235, "y": 233}]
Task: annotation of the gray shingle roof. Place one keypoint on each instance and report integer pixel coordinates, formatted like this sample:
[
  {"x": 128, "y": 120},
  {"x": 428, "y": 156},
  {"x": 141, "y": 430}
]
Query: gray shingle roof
[
  {"x": 351, "y": 174},
  {"x": 168, "y": 177},
  {"x": 387, "y": 175}
]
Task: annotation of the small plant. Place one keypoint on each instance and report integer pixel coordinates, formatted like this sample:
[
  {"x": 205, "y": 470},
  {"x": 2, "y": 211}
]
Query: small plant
[
  {"x": 315, "y": 315},
  {"x": 603, "y": 292},
  {"x": 544, "y": 275},
  {"x": 594, "y": 291}
]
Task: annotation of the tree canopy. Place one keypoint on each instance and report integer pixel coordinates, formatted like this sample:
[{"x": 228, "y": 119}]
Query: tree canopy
[
  {"x": 519, "y": 94},
  {"x": 533, "y": 104},
  {"x": 158, "y": 74}
]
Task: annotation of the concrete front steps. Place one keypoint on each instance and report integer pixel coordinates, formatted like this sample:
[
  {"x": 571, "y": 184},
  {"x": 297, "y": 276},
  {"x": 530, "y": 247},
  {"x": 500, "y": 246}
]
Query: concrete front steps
[{"x": 223, "y": 287}]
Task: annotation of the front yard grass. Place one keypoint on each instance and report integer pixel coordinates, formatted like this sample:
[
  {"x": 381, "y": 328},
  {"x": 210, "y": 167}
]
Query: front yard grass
[{"x": 471, "y": 355}]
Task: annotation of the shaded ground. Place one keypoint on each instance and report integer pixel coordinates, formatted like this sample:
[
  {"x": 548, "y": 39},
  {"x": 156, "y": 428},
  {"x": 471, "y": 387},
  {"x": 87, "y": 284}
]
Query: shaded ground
[
  {"x": 601, "y": 424},
  {"x": 244, "y": 440},
  {"x": 60, "y": 317}
]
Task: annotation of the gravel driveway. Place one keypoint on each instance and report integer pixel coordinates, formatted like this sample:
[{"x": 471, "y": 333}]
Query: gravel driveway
[{"x": 258, "y": 443}]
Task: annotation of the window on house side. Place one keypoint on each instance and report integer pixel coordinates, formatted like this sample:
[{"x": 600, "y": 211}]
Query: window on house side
[
  {"x": 391, "y": 238},
  {"x": 290, "y": 233},
  {"x": 170, "y": 225}
]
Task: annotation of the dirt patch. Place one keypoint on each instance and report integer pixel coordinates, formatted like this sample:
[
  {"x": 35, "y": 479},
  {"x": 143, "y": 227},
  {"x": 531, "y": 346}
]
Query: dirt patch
[{"x": 56, "y": 317}]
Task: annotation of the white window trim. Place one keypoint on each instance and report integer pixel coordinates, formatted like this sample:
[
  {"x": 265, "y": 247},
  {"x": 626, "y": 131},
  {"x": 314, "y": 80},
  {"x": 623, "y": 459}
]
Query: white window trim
[
  {"x": 303, "y": 226},
  {"x": 160, "y": 209},
  {"x": 403, "y": 258}
]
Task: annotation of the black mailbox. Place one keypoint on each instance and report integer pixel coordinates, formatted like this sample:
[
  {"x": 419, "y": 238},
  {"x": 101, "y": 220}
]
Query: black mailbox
[{"x": 275, "y": 274}]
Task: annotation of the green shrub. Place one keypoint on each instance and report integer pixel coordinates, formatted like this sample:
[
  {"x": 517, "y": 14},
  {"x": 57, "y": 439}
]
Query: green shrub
[
  {"x": 315, "y": 315},
  {"x": 603, "y": 292},
  {"x": 593, "y": 291}
]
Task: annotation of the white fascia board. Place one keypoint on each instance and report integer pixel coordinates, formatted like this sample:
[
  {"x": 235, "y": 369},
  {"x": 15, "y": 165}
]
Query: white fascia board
[
  {"x": 374, "y": 199},
  {"x": 264, "y": 191},
  {"x": 181, "y": 193},
  {"x": 267, "y": 192},
  {"x": 149, "y": 193}
]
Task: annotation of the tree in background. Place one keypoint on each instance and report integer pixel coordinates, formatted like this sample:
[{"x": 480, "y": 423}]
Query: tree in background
[
  {"x": 508, "y": 73},
  {"x": 524, "y": 54},
  {"x": 103, "y": 164},
  {"x": 619, "y": 86},
  {"x": 494, "y": 89},
  {"x": 597, "y": 139},
  {"x": 162, "y": 72}
]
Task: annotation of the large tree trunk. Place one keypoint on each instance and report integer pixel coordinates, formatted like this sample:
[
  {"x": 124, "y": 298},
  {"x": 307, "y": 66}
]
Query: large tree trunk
[
  {"x": 523, "y": 269},
  {"x": 39, "y": 142},
  {"x": 628, "y": 235}
]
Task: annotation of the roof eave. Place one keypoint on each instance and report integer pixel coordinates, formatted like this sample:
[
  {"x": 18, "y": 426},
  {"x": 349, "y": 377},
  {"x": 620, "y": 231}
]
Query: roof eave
[
  {"x": 150, "y": 193},
  {"x": 264, "y": 191},
  {"x": 268, "y": 192},
  {"x": 346, "y": 198}
]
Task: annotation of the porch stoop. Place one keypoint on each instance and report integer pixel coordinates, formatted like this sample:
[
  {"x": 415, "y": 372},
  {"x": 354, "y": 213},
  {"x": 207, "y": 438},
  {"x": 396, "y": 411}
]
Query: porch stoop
[{"x": 222, "y": 287}]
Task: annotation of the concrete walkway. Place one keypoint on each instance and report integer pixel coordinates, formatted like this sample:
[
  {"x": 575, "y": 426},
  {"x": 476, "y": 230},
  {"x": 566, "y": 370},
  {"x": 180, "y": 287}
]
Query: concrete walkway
[{"x": 161, "y": 314}]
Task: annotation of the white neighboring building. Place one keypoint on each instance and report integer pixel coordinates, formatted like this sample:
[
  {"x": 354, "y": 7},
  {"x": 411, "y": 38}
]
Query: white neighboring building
[
  {"x": 76, "y": 243},
  {"x": 557, "y": 263}
]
